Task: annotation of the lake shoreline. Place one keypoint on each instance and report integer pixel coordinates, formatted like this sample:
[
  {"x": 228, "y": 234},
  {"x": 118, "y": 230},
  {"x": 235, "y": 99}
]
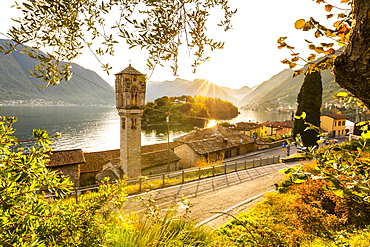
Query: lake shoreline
[{"x": 97, "y": 128}]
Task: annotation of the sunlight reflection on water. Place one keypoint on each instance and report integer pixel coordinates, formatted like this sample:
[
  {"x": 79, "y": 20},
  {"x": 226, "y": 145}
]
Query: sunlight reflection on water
[{"x": 94, "y": 128}]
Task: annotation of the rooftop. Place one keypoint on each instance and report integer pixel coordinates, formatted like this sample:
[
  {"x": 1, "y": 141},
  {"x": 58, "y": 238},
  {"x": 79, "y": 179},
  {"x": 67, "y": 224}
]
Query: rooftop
[
  {"x": 279, "y": 124},
  {"x": 247, "y": 126},
  {"x": 336, "y": 116},
  {"x": 66, "y": 157},
  {"x": 130, "y": 70},
  {"x": 214, "y": 139}
]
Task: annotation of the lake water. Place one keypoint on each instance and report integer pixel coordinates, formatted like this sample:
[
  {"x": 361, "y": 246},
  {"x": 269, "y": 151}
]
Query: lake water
[{"x": 96, "y": 128}]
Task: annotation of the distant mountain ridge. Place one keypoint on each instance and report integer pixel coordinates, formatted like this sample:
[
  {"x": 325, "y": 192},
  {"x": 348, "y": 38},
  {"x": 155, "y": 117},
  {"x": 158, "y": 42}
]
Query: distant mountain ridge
[
  {"x": 200, "y": 87},
  {"x": 85, "y": 86},
  {"x": 281, "y": 91}
]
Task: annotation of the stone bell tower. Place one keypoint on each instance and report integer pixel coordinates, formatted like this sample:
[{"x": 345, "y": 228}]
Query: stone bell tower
[{"x": 130, "y": 102}]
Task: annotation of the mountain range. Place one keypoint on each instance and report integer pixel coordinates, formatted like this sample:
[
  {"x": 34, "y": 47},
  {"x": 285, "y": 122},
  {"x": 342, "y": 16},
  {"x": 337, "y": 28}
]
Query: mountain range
[
  {"x": 280, "y": 91},
  {"x": 85, "y": 86},
  {"x": 201, "y": 87}
]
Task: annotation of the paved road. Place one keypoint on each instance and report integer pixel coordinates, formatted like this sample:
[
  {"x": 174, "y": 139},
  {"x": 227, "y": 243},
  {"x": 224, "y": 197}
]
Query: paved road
[
  {"x": 219, "y": 193},
  {"x": 278, "y": 151}
]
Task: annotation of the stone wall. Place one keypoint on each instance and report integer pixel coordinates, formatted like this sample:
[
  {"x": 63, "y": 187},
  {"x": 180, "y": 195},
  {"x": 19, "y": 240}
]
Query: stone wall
[
  {"x": 71, "y": 171},
  {"x": 187, "y": 156},
  {"x": 162, "y": 168}
]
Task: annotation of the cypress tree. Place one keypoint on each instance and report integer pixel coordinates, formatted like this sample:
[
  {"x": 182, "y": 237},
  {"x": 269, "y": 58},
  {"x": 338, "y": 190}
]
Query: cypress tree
[{"x": 309, "y": 101}]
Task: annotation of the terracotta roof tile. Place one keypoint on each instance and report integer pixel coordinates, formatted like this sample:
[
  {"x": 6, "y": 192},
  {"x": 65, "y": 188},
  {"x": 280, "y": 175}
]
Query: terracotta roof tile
[
  {"x": 336, "y": 116},
  {"x": 247, "y": 126},
  {"x": 278, "y": 124},
  {"x": 157, "y": 158},
  {"x": 66, "y": 157},
  {"x": 157, "y": 147},
  {"x": 96, "y": 160},
  {"x": 214, "y": 139},
  {"x": 129, "y": 70}
]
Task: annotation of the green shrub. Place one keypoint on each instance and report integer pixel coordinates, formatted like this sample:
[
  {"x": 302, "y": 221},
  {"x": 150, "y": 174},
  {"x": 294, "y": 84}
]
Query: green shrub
[
  {"x": 27, "y": 218},
  {"x": 157, "y": 228}
]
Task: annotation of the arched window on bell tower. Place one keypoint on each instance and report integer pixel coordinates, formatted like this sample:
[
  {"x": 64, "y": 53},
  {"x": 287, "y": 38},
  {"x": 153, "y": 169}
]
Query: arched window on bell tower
[{"x": 134, "y": 97}]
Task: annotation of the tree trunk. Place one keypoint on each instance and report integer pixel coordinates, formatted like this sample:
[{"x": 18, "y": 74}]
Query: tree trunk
[{"x": 352, "y": 67}]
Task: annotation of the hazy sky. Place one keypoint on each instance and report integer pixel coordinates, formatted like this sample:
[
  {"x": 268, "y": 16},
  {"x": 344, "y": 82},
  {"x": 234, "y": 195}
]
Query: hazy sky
[{"x": 250, "y": 55}]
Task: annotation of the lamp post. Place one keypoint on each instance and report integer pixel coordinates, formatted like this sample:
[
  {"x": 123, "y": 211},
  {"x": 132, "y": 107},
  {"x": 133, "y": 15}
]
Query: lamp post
[{"x": 168, "y": 140}]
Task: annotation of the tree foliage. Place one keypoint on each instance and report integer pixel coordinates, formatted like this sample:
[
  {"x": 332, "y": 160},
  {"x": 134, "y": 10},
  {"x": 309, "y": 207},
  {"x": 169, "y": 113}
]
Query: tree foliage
[
  {"x": 351, "y": 29},
  {"x": 339, "y": 33},
  {"x": 160, "y": 27},
  {"x": 187, "y": 109},
  {"x": 27, "y": 217},
  {"x": 309, "y": 102},
  {"x": 313, "y": 207}
]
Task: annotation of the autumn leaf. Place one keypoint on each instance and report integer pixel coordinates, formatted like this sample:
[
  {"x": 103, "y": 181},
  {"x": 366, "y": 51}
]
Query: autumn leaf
[
  {"x": 318, "y": 34},
  {"x": 345, "y": 1},
  {"x": 319, "y": 50},
  {"x": 327, "y": 45},
  {"x": 330, "y": 51},
  {"x": 299, "y": 24},
  {"x": 297, "y": 72},
  {"x": 328, "y": 7},
  {"x": 342, "y": 94},
  {"x": 311, "y": 47},
  {"x": 311, "y": 57},
  {"x": 337, "y": 24},
  {"x": 292, "y": 65},
  {"x": 329, "y": 16},
  {"x": 328, "y": 33}
]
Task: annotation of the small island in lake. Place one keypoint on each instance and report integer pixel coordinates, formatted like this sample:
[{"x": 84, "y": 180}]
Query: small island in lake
[{"x": 187, "y": 109}]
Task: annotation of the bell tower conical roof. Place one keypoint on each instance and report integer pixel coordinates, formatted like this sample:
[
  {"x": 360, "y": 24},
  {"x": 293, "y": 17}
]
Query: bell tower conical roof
[{"x": 130, "y": 70}]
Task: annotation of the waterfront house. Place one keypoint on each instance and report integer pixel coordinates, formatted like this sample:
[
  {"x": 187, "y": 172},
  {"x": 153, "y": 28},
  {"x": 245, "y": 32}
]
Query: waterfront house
[
  {"x": 86, "y": 168},
  {"x": 68, "y": 162},
  {"x": 95, "y": 163},
  {"x": 249, "y": 128},
  {"x": 334, "y": 124},
  {"x": 212, "y": 144},
  {"x": 276, "y": 128},
  {"x": 161, "y": 159},
  {"x": 285, "y": 127}
]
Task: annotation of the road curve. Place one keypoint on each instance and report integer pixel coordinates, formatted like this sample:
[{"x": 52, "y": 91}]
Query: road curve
[{"x": 218, "y": 194}]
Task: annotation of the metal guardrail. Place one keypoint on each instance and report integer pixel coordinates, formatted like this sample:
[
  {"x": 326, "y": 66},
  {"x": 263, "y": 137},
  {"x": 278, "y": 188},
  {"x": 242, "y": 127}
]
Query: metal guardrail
[{"x": 167, "y": 179}]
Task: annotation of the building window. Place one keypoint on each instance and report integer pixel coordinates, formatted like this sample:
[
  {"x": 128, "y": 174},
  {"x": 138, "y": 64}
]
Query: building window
[
  {"x": 123, "y": 122},
  {"x": 343, "y": 123},
  {"x": 134, "y": 95},
  {"x": 335, "y": 123},
  {"x": 133, "y": 123},
  {"x": 218, "y": 156},
  {"x": 227, "y": 154},
  {"x": 206, "y": 157},
  {"x": 339, "y": 123}
]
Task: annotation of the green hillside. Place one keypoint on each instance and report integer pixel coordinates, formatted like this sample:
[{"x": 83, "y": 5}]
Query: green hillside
[
  {"x": 16, "y": 84},
  {"x": 281, "y": 91}
]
